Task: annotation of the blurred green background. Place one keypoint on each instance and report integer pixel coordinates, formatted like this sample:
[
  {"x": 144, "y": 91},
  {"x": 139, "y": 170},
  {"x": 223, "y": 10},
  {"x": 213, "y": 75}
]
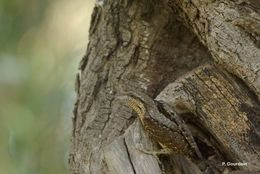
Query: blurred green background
[{"x": 41, "y": 44}]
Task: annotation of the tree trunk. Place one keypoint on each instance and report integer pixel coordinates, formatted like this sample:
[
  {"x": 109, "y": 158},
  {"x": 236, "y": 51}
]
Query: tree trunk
[{"x": 201, "y": 57}]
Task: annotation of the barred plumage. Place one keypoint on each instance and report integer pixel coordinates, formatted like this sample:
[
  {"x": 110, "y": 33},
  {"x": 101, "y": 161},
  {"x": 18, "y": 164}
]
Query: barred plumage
[
  {"x": 169, "y": 138},
  {"x": 137, "y": 106}
]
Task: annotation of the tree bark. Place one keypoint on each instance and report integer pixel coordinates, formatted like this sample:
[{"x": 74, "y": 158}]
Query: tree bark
[{"x": 202, "y": 57}]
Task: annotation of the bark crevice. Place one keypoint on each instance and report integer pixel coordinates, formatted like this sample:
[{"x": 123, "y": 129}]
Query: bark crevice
[{"x": 151, "y": 45}]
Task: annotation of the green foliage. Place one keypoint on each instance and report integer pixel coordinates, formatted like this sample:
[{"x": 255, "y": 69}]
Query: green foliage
[
  {"x": 36, "y": 85},
  {"x": 16, "y": 16}
]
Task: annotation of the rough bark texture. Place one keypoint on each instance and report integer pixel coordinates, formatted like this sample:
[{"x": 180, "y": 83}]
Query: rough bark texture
[{"x": 200, "y": 56}]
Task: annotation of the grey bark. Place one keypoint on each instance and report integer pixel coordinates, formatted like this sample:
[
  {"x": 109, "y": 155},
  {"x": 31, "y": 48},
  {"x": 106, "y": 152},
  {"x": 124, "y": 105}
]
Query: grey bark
[{"x": 153, "y": 45}]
